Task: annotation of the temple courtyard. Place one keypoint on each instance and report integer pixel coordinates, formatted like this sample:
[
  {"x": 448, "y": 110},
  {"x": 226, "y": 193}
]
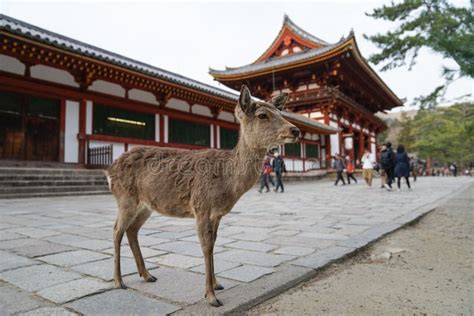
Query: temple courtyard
[{"x": 56, "y": 253}]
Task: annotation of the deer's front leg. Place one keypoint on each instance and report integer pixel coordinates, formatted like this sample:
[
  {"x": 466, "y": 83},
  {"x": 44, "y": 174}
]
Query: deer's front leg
[
  {"x": 215, "y": 227},
  {"x": 205, "y": 233}
]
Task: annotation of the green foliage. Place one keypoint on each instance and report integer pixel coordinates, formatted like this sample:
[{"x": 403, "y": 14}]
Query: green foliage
[
  {"x": 443, "y": 134},
  {"x": 434, "y": 24}
]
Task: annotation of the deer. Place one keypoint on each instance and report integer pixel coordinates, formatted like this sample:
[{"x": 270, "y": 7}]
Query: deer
[{"x": 200, "y": 184}]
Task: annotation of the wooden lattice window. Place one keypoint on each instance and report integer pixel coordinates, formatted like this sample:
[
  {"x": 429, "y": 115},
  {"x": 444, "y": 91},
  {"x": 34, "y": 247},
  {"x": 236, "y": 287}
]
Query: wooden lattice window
[
  {"x": 185, "y": 132},
  {"x": 293, "y": 150},
  {"x": 312, "y": 151},
  {"x": 123, "y": 123},
  {"x": 229, "y": 138}
]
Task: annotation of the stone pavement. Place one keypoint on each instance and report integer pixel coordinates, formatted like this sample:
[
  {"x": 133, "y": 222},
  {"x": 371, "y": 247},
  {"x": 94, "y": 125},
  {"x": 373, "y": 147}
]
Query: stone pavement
[{"x": 56, "y": 253}]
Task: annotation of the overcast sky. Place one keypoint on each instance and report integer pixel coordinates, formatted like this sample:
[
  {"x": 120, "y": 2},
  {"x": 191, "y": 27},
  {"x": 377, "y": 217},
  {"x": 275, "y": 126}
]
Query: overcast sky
[{"x": 189, "y": 37}]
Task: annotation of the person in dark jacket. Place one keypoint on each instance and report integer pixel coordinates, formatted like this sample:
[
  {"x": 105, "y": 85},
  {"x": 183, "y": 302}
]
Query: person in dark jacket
[
  {"x": 278, "y": 165},
  {"x": 387, "y": 162},
  {"x": 340, "y": 166},
  {"x": 402, "y": 166}
]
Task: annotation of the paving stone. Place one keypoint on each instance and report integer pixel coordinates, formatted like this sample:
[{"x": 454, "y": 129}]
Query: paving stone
[
  {"x": 14, "y": 300},
  {"x": 246, "y": 273},
  {"x": 285, "y": 232},
  {"x": 253, "y": 258},
  {"x": 219, "y": 266},
  {"x": 294, "y": 251},
  {"x": 300, "y": 242},
  {"x": 71, "y": 258},
  {"x": 252, "y": 236},
  {"x": 34, "y": 232},
  {"x": 252, "y": 245},
  {"x": 50, "y": 311},
  {"x": 322, "y": 257},
  {"x": 94, "y": 244},
  {"x": 323, "y": 236},
  {"x": 11, "y": 261},
  {"x": 178, "y": 261},
  {"x": 173, "y": 235},
  {"x": 147, "y": 240},
  {"x": 41, "y": 248},
  {"x": 176, "y": 285},
  {"x": 220, "y": 241},
  {"x": 121, "y": 302},
  {"x": 72, "y": 290},
  {"x": 125, "y": 251},
  {"x": 104, "y": 269},
  {"x": 7, "y": 235},
  {"x": 34, "y": 278},
  {"x": 18, "y": 243}
]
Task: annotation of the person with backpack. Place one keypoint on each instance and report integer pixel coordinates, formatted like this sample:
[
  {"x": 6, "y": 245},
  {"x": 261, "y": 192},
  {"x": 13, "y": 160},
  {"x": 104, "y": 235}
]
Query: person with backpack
[
  {"x": 402, "y": 166},
  {"x": 340, "y": 167},
  {"x": 265, "y": 175},
  {"x": 350, "y": 170},
  {"x": 387, "y": 163},
  {"x": 278, "y": 165}
]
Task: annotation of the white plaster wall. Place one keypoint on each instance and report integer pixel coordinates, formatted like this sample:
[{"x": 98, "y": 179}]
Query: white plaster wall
[
  {"x": 179, "y": 105},
  {"x": 313, "y": 86},
  {"x": 294, "y": 164},
  {"x": 312, "y": 164},
  {"x": 89, "y": 117},
  {"x": 373, "y": 148},
  {"x": 53, "y": 74},
  {"x": 334, "y": 140},
  {"x": 157, "y": 127},
  {"x": 323, "y": 140},
  {"x": 71, "y": 143},
  {"x": 108, "y": 88},
  {"x": 143, "y": 96},
  {"x": 117, "y": 149},
  {"x": 315, "y": 137},
  {"x": 218, "y": 136},
  {"x": 201, "y": 110},
  {"x": 11, "y": 64},
  {"x": 226, "y": 116},
  {"x": 212, "y": 135},
  {"x": 165, "y": 123}
]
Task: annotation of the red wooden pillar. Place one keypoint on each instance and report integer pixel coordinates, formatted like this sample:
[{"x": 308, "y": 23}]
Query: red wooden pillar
[
  {"x": 361, "y": 142},
  {"x": 62, "y": 128},
  {"x": 82, "y": 131}
]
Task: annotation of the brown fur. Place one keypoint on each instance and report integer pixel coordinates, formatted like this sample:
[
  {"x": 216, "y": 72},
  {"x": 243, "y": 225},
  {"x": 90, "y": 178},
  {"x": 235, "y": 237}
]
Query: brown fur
[{"x": 203, "y": 184}]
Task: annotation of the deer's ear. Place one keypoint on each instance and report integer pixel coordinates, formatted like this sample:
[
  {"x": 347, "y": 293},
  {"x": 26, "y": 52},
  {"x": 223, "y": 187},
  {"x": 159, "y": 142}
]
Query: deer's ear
[
  {"x": 245, "y": 100},
  {"x": 280, "y": 100}
]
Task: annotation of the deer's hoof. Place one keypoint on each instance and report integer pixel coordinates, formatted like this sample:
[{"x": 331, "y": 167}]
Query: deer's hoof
[
  {"x": 217, "y": 286},
  {"x": 215, "y": 302},
  {"x": 120, "y": 285},
  {"x": 150, "y": 278}
]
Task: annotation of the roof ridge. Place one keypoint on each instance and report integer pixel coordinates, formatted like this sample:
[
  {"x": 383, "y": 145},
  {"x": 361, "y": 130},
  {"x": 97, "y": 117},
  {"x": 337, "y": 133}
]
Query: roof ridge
[{"x": 298, "y": 30}]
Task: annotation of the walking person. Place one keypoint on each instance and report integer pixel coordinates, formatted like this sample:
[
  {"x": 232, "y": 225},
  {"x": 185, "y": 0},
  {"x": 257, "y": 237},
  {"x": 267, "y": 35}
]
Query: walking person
[
  {"x": 340, "y": 167},
  {"x": 367, "y": 167},
  {"x": 350, "y": 170},
  {"x": 402, "y": 166},
  {"x": 387, "y": 162},
  {"x": 265, "y": 175},
  {"x": 414, "y": 167},
  {"x": 278, "y": 165}
]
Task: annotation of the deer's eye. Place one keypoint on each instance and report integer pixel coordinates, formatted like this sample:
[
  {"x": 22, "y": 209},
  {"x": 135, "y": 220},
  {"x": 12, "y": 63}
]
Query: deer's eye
[{"x": 262, "y": 116}]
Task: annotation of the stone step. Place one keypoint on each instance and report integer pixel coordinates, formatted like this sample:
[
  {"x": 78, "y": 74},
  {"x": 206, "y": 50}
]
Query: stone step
[
  {"x": 48, "y": 171},
  {"x": 52, "y": 189},
  {"x": 50, "y": 194},
  {"x": 47, "y": 182},
  {"x": 31, "y": 177}
]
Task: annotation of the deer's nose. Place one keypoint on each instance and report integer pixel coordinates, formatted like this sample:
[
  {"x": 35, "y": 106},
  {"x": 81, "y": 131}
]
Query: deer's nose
[{"x": 295, "y": 131}]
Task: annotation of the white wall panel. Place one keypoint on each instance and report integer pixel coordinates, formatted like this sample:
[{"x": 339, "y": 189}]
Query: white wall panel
[
  {"x": 107, "y": 88},
  {"x": 71, "y": 143},
  {"x": 53, "y": 74},
  {"x": 13, "y": 65}
]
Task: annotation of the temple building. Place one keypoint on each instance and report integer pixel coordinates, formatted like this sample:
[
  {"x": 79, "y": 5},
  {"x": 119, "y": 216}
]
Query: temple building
[
  {"x": 67, "y": 102},
  {"x": 328, "y": 83}
]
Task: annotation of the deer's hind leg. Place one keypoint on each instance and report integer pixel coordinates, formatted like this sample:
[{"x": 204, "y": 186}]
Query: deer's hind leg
[
  {"x": 132, "y": 236},
  {"x": 127, "y": 212}
]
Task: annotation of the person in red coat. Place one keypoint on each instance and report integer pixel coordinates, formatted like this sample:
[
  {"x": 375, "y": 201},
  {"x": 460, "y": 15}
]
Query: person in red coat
[{"x": 350, "y": 170}]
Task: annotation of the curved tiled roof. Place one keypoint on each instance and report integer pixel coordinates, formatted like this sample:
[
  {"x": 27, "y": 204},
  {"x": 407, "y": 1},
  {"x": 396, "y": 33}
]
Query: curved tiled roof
[{"x": 15, "y": 26}]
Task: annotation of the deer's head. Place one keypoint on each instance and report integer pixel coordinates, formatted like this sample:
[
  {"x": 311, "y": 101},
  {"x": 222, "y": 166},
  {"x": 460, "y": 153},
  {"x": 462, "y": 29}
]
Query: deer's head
[{"x": 261, "y": 123}]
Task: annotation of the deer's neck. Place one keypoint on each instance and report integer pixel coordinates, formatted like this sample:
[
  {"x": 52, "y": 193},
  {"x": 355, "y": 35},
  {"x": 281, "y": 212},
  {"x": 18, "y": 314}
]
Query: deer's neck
[{"x": 246, "y": 164}]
